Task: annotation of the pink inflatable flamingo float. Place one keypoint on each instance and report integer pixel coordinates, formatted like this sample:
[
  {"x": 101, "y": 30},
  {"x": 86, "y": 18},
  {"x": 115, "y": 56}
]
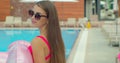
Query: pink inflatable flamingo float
[{"x": 18, "y": 53}]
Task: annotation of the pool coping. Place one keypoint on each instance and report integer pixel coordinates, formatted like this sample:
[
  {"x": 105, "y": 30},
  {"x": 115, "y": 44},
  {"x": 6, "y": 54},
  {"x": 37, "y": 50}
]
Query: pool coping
[
  {"x": 72, "y": 53},
  {"x": 37, "y": 28},
  {"x": 77, "y": 54}
]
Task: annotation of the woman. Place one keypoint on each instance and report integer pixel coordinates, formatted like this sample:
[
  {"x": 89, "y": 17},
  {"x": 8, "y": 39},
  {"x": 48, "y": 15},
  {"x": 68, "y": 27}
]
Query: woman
[{"x": 49, "y": 46}]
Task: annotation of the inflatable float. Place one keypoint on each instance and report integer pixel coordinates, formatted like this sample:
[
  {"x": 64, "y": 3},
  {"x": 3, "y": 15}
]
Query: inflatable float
[{"x": 17, "y": 53}]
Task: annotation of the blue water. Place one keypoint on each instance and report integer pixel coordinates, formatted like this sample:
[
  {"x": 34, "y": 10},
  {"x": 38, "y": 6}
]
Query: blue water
[{"x": 9, "y": 36}]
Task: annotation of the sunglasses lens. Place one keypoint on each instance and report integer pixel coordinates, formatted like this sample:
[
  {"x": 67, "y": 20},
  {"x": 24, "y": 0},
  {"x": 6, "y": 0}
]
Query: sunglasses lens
[
  {"x": 37, "y": 16},
  {"x": 31, "y": 13}
]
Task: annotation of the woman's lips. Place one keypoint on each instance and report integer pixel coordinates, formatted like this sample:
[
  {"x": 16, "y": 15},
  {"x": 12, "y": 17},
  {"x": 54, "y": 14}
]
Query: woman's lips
[{"x": 33, "y": 22}]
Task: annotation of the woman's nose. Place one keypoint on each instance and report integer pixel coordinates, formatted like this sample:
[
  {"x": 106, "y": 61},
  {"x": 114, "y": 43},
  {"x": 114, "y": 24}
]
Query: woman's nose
[{"x": 33, "y": 17}]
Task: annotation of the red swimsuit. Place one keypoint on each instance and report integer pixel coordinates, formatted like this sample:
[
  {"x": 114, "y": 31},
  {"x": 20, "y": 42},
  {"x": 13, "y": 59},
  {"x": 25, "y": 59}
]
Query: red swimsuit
[{"x": 47, "y": 43}]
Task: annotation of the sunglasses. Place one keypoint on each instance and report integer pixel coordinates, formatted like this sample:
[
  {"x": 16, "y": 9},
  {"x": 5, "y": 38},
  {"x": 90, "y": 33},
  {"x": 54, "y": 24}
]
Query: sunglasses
[{"x": 37, "y": 15}]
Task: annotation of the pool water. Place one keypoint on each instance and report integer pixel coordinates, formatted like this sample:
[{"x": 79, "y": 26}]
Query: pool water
[{"x": 9, "y": 36}]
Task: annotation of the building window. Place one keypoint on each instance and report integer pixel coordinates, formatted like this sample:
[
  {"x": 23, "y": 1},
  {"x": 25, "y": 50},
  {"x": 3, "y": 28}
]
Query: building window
[{"x": 107, "y": 9}]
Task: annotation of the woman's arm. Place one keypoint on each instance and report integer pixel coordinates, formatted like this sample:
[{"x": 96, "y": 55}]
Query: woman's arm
[{"x": 38, "y": 50}]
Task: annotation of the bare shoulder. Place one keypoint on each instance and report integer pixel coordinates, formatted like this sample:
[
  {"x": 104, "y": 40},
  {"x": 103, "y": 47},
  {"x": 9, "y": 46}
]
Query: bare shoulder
[{"x": 37, "y": 42}]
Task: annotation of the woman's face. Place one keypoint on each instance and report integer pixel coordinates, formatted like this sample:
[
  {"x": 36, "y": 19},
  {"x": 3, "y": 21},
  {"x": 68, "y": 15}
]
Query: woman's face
[{"x": 39, "y": 17}]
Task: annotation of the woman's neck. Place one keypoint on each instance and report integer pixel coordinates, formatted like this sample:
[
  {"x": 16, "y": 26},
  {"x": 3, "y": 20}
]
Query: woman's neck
[{"x": 43, "y": 31}]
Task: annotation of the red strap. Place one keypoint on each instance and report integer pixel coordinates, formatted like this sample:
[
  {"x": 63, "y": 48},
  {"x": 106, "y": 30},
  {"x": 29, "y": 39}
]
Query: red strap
[
  {"x": 48, "y": 56},
  {"x": 47, "y": 43}
]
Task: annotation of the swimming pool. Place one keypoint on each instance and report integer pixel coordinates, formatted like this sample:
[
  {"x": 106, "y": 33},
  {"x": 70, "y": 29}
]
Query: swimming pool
[{"x": 8, "y": 36}]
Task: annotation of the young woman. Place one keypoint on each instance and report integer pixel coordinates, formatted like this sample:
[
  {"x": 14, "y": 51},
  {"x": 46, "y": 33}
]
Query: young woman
[{"x": 49, "y": 46}]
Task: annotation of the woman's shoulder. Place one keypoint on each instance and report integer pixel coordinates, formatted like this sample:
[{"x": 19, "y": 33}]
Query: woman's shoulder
[{"x": 37, "y": 41}]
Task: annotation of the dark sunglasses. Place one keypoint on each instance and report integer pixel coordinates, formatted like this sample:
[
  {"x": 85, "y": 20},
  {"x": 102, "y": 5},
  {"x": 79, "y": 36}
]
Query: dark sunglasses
[{"x": 37, "y": 15}]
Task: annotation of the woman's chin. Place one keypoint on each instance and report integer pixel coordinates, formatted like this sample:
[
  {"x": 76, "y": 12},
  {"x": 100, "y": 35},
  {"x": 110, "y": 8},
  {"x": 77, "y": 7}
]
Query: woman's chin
[{"x": 34, "y": 25}]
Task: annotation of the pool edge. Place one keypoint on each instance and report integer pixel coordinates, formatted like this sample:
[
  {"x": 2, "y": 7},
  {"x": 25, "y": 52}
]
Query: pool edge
[{"x": 78, "y": 52}]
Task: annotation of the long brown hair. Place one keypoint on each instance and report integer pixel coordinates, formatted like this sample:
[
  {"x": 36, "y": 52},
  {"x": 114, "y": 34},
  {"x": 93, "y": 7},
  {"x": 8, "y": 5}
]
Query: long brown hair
[{"x": 53, "y": 32}]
